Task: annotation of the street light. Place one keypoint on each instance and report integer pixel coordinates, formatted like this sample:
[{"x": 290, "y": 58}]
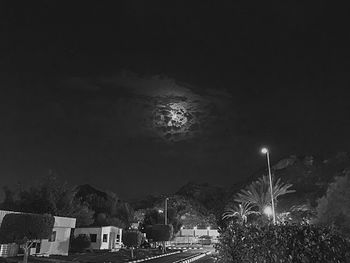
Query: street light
[
  {"x": 266, "y": 151},
  {"x": 166, "y": 211},
  {"x": 268, "y": 211}
]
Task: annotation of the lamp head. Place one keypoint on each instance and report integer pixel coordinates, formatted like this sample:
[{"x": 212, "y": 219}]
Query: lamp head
[
  {"x": 268, "y": 211},
  {"x": 264, "y": 150}
]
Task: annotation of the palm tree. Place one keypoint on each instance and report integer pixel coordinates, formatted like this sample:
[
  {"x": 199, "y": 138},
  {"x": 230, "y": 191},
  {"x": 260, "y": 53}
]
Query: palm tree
[
  {"x": 241, "y": 212},
  {"x": 258, "y": 193}
]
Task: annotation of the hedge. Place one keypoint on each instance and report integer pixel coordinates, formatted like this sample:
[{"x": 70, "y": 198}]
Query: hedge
[{"x": 281, "y": 243}]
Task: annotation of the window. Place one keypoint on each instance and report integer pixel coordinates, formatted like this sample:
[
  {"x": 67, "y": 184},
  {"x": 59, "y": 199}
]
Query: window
[
  {"x": 37, "y": 247},
  {"x": 52, "y": 238},
  {"x": 104, "y": 238},
  {"x": 93, "y": 238}
]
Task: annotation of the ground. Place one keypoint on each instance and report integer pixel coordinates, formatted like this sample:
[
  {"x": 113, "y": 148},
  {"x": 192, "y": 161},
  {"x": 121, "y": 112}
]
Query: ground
[{"x": 97, "y": 257}]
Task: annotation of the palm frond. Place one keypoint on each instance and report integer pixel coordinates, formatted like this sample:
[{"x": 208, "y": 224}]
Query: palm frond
[{"x": 258, "y": 192}]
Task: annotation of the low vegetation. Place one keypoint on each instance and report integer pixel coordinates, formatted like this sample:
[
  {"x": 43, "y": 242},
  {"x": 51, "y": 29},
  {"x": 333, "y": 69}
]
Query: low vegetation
[{"x": 281, "y": 243}]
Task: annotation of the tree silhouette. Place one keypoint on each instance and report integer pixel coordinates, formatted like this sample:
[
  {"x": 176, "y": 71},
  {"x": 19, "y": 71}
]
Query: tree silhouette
[
  {"x": 240, "y": 211},
  {"x": 334, "y": 207},
  {"x": 258, "y": 193}
]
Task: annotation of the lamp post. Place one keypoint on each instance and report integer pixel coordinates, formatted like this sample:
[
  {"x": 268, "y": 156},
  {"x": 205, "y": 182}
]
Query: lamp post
[
  {"x": 266, "y": 151},
  {"x": 166, "y": 211}
]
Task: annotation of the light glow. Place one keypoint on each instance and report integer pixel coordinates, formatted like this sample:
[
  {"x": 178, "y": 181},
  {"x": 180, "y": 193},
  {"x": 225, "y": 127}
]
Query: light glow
[
  {"x": 264, "y": 150},
  {"x": 268, "y": 211}
]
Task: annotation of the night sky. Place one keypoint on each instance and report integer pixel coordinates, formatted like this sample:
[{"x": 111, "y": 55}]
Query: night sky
[{"x": 140, "y": 97}]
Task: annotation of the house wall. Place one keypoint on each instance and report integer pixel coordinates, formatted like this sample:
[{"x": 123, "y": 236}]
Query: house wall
[
  {"x": 186, "y": 232},
  {"x": 117, "y": 231},
  {"x": 59, "y": 246},
  {"x": 198, "y": 232},
  {"x": 100, "y": 231}
]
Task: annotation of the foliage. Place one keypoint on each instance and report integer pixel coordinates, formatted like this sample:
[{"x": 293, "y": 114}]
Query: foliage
[
  {"x": 109, "y": 209},
  {"x": 207, "y": 198},
  {"x": 51, "y": 197},
  {"x": 80, "y": 243},
  {"x": 159, "y": 232},
  {"x": 21, "y": 227},
  {"x": 25, "y": 229},
  {"x": 154, "y": 217},
  {"x": 103, "y": 219},
  {"x": 258, "y": 192},
  {"x": 281, "y": 243},
  {"x": 193, "y": 205},
  {"x": 132, "y": 239},
  {"x": 334, "y": 207},
  {"x": 240, "y": 212},
  {"x": 301, "y": 213}
]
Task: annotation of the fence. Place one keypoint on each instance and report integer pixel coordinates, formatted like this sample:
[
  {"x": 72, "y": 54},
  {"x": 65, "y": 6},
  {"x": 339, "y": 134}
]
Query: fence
[{"x": 8, "y": 250}]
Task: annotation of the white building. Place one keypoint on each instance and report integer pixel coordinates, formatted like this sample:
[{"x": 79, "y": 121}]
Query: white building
[
  {"x": 104, "y": 237},
  {"x": 193, "y": 235},
  {"x": 57, "y": 244}
]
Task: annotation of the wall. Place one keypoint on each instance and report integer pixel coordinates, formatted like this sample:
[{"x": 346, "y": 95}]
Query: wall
[
  {"x": 186, "y": 232},
  {"x": 184, "y": 240},
  {"x": 8, "y": 250},
  {"x": 198, "y": 232},
  {"x": 100, "y": 231},
  {"x": 60, "y": 246},
  {"x": 105, "y": 230}
]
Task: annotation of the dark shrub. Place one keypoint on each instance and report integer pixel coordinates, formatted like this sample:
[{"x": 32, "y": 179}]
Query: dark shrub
[
  {"x": 80, "y": 243},
  {"x": 25, "y": 229},
  {"x": 132, "y": 239},
  {"x": 158, "y": 233},
  {"x": 281, "y": 243}
]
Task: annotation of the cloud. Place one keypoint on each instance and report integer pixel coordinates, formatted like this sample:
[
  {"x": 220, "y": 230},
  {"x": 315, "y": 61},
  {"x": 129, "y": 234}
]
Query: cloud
[
  {"x": 154, "y": 106},
  {"x": 173, "y": 111}
]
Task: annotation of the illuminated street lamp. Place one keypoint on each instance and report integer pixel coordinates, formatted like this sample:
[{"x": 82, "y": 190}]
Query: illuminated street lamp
[
  {"x": 268, "y": 211},
  {"x": 266, "y": 151},
  {"x": 166, "y": 211}
]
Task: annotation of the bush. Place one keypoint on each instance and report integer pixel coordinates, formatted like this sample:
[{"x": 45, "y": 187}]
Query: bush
[
  {"x": 25, "y": 229},
  {"x": 21, "y": 228},
  {"x": 80, "y": 243},
  {"x": 158, "y": 233},
  {"x": 132, "y": 239},
  {"x": 334, "y": 207},
  {"x": 281, "y": 243}
]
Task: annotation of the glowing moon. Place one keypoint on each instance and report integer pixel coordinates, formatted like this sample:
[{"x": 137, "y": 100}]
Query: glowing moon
[{"x": 174, "y": 121}]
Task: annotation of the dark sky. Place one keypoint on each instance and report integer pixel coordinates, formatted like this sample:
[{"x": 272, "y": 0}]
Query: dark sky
[{"x": 139, "y": 97}]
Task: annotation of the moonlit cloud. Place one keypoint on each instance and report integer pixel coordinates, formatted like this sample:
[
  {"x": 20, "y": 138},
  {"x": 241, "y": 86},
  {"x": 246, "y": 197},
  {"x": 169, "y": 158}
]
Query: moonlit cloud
[{"x": 172, "y": 112}]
